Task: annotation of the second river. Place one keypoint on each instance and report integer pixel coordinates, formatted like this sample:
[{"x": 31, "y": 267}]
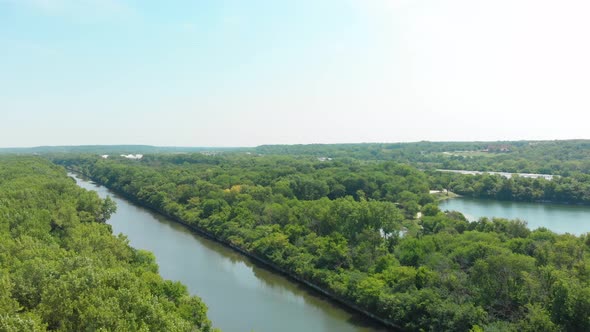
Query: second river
[{"x": 559, "y": 218}]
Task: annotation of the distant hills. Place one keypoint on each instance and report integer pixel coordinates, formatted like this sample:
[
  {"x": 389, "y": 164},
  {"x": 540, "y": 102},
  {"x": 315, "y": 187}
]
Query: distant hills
[
  {"x": 110, "y": 149},
  {"x": 408, "y": 151}
]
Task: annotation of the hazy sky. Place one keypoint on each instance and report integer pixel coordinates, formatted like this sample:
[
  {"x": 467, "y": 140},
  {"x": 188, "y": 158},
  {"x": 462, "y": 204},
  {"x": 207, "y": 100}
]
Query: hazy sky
[{"x": 243, "y": 73}]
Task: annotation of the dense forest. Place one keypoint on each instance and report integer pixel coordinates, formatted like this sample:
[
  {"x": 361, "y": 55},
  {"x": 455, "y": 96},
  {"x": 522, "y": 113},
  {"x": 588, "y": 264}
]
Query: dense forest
[
  {"x": 353, "y": 229},
  {"x": 109, "y": 149},
  {"x": 564, "y": 157},
  {"x": 61, "y": 269}
]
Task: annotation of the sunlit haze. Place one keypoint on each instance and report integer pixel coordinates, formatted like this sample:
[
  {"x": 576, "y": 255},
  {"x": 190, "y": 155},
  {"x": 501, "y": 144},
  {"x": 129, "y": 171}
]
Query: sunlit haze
[{"x": 245, "y": 73}]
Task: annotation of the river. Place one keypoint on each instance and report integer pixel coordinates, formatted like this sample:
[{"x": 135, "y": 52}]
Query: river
[
  {"x": 504, "y": 174},
  {"x": 560, "y": 218},
  {"x": 241, "y": 295}
]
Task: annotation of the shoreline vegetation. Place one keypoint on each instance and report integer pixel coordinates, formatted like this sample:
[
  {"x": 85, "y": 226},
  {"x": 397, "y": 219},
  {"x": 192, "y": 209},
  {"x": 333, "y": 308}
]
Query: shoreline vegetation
[
  {"x": 440, "y": 272},
  {"x": 560, "y": 190},
  {"x": 61, "y": 268},
  {"x": 444, "y": 194}
]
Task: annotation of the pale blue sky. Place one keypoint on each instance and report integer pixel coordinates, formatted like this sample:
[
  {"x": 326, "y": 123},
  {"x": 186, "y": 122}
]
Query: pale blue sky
[{"x": 244, "y": 73}]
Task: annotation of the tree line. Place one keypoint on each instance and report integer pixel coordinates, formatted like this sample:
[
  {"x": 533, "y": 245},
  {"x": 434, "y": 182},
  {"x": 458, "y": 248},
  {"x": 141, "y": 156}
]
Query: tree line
[{"x": 571, "y": 190}]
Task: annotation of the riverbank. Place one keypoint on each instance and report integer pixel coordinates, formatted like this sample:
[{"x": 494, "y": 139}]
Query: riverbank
[
  {"x": 441, "y": 195},
  {"x": 493, "y": 199},
  {"x": 255, "y": 258}
]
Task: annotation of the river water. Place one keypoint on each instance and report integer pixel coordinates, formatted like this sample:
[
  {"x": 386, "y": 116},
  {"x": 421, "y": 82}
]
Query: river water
[
  {"x": 560, "y": 218},
  {"x": 504, "y": 174},
  {"x": 241, "y": 295}
]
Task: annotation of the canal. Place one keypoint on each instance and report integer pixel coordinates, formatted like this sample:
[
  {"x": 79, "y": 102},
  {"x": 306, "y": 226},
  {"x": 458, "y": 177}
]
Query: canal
[{"x": 241, "y": 295}]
